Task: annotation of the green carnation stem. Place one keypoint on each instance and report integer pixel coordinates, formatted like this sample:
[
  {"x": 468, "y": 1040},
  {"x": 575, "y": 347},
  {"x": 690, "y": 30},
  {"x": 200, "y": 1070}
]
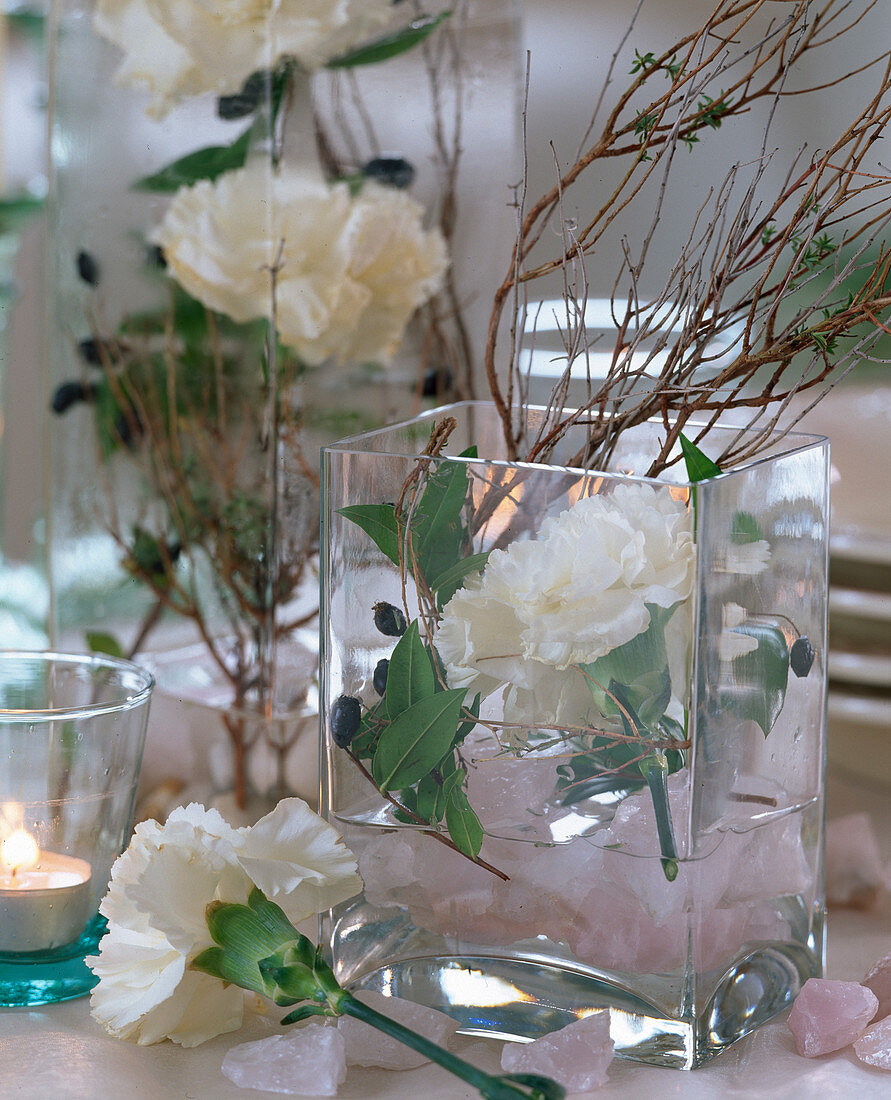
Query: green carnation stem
[
  {"x": 506, "y": 1087},
  {"x": 256, "y": 947}
]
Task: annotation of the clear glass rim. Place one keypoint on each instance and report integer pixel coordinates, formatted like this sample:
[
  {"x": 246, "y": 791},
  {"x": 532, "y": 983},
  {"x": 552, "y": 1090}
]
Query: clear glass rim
[
  {"x": 90, "y": 661},
  {"x": 799, "y": 441}
]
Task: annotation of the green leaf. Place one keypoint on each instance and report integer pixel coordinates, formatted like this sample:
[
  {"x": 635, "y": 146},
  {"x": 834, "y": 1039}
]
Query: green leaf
[
  {"x": 426, "y": 798},
  {"x": 434, "y": 791},
  {"x": 469, "y": 724},
  {"x": 436, "y": 528},
  {"x": 390, "y": 45},
  {"x": 448, "y": 582},
  {"x": 98, "y": 641},
  {"x": 378, "y": 521},
  {"x": 463, "y": 824},
  {"x": 744, "y": 529},
  {"x": 16, "y": 210},
  {"x": 417, "y": 740},
  {"x": 760, "y": 677},
  {"x": 642, "y": 662},
  {"x": 203, "y": 164},
  {"x": 410, "y": 676},
  {"x": 699, "y": 466}
]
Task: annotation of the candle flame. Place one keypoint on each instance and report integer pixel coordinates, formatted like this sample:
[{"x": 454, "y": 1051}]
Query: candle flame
[{"x": 19, "y": 851}]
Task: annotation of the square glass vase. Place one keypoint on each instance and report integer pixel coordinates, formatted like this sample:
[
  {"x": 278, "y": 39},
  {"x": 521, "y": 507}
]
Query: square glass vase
[{"x": 575, "y": 730}]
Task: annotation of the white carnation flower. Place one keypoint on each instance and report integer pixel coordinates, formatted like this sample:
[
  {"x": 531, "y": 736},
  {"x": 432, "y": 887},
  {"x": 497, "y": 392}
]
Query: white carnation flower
[
  {"x": 351, "y": 271},
  {"x": 298, "y": 861},
  {"x": 568, "y": 597},
  {"x": 176, "y": 48},
  {"x": 156, "y": 902}
]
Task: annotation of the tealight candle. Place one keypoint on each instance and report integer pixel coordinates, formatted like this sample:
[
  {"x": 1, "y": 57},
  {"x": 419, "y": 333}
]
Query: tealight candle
[{"x": 44, "y": 896}]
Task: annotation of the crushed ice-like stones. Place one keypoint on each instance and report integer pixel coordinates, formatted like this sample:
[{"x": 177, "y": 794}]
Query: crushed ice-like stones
[
  {"x": 855, "y": 876},
  {"x": 611, "y": 907},
  {"x": 498, "y": 785},
  {"x": 829, "y": 1014},
  {"x": 308, "y": 1061},
  {"x": 365, "y": 1046},
  {"x": 577, "y": 1056},
  {"x": 874, "y": 1045},
  {"x": 878, "y": 979}
]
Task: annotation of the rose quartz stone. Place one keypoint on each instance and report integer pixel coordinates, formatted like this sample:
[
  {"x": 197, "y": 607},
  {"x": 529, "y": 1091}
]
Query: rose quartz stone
[
  {"x": 874, "y": 1045},
  {"x": 365, "y": 1046},
  {"x": 854, "y": 873},
  {"x": 878, "y": 979},
  {"x": 828, "y": 1015},
  {"x": 576, "y": 1056},
  {"x": 308, "y": 1061}
]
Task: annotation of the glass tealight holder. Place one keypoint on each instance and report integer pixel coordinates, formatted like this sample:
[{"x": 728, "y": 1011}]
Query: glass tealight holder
[{"x": 72, "y": 730}]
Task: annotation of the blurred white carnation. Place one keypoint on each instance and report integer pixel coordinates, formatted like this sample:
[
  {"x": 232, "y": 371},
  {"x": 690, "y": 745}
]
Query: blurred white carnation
[
  {"x": 155, "y": 907},
  {"x": 350, "y": 270},
  {"x": 571, "y": 595},
  {"x": 176, "y": 48}
]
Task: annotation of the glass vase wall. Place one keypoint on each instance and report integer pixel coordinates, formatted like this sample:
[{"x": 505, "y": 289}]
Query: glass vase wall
[{"x": 609, "y": 791}]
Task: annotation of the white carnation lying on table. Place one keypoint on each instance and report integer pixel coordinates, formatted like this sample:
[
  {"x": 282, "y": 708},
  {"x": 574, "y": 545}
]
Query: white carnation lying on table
[
  {"x": 351, "y": 270},
  {"x": 176, "y": 48},
  {"x": 155, "y": 907}
]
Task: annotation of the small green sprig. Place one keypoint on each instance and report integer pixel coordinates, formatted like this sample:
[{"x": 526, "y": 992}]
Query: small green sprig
[{"x": 257, "y": 948}]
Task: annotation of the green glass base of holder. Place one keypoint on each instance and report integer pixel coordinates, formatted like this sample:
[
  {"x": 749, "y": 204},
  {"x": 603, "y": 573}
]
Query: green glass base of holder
[{"x": 45, "y": 977}]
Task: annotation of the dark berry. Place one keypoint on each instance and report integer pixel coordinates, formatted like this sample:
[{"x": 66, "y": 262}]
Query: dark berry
[
  {"x": 392, "y": 171},
  {"x": 801, "y": 656},
  {"x": 389, "y": 619},
  {"x": 379, "y": 679},
  {"x": 127, "y": 428},
  {"x": 88, "y": 268},
  {"x": 437, "y": 381},
  {"x": 346, "y": 715},
  {"x": 71, "y": 393},
  {"x": 247, "y": 100},
  {"x": 91, "y": 351}
]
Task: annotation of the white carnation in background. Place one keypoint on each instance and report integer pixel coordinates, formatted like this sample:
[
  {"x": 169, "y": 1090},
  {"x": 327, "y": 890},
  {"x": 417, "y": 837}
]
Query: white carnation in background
[
  {"x": 350, "y": 271},
  {"x": 176, "y": 48},
  {"x": 571, "y": 595},
  {"x": 155, "y": 907}
]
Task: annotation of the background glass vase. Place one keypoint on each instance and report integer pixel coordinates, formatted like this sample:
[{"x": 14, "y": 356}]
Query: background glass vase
[
  {"x": 190, "y": 369},
  {"x": 616, "y": 798},
  {"x": 72, "y": 730}
]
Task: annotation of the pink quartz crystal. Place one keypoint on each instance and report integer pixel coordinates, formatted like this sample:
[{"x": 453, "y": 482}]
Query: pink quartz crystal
[
  {"x": 874, "y": 1045},
  {"x": 854, "y": 873},
  {"x": 366, "y": 1046},
  {"x": 576, "y": 1056},
  {"x": 878, "y": 979},
  {"x": 828, "y": 1015},
  {"x": 308, "y": 1061}
]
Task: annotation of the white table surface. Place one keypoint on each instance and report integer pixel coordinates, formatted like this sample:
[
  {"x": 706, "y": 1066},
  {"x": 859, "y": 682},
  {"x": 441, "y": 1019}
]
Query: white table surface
[{"x": 56, "y": 1052}]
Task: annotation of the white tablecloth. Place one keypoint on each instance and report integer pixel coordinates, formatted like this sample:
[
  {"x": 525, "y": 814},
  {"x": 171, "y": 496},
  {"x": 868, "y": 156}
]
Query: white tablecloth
[{"x": 57, "y": 1053}]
